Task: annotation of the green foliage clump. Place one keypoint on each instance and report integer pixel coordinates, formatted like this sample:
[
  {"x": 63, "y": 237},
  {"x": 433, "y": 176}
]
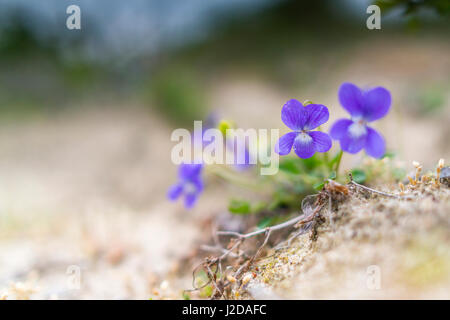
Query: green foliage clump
[
  {"x": 298, "y": 178},
  {"x": 284, "y": 191}
]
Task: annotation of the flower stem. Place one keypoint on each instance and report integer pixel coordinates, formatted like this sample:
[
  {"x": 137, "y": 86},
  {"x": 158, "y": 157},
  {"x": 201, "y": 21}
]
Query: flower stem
[
  {"x": 325, "y": 158},
  {"x": 338, "y": 162},
  {"x": 235, "y": 179},
  {"x": 326, "y": 164}
]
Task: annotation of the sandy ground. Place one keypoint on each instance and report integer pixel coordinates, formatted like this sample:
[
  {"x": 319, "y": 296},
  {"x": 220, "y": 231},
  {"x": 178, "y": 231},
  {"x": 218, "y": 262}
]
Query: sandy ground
[
  {"x": 86, "y": 192},
  {"x": 369, "y": 247},
  {"x": 83, "y": 193}
]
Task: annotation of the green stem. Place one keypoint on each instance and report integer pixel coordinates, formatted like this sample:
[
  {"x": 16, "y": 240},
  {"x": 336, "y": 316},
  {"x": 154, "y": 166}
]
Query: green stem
[
  {"x": 235, "y": 179},
  {"x": 338, "y": 163},
  {"x": 326, "y": 164},
  {"x": 325, "y": 158}
]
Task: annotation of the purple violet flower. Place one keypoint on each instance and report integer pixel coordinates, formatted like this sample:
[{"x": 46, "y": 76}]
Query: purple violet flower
[
  {"x": 189, "y": 183},
  {"x": 302, "y": 119},
  {"x": 364, "y": 106}
]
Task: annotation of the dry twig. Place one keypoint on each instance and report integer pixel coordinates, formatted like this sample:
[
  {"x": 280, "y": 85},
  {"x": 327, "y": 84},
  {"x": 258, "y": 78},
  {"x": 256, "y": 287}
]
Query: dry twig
[{"x": 390, "y": 195}]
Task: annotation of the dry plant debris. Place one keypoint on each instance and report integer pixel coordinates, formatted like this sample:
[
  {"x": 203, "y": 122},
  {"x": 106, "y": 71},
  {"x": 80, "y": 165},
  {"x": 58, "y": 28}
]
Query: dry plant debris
[{"x": 336, "y": 208}]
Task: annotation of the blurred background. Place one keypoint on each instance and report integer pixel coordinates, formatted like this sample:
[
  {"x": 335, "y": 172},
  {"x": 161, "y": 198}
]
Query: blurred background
[{"x": 86, "y": 117}]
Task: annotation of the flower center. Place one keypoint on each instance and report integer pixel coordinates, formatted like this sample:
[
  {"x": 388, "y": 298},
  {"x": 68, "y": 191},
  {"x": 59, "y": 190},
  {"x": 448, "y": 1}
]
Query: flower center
[
  {"x": 303, "y": 137},
  {"x": 189, "y": 188},
  {"x": 357, "y": 129}
]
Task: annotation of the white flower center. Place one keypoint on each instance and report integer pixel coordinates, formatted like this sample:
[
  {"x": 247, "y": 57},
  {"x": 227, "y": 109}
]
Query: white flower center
[
  {"x": 304, "y": 138},
  {"x": 357, "y": 129},
  {"x": 189, "y": 188}
]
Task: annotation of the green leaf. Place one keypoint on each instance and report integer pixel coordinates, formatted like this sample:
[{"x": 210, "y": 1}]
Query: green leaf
[
  {"x": 332, "y": 175},
  {"x": 359, "y": 175},
  {"x": 319, "y": 186},
  {"x": 390, "y": 155},
  {"x": 264, "y": 222},
  {"x": 282, "y": 198},
  {"x": 258, "y": 207},
  {"x": 206, "y": 291},
  {"x": 239, "y": 206},
  {"x": 290, "y": 166},
  {"x": 312, "y": 163},
  {"x": 186, "y": 296}
]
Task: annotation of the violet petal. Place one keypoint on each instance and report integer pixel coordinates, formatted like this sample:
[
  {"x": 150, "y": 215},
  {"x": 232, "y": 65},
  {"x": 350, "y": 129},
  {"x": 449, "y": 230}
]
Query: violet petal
[
  {"x": 294, "y": 115},
  {"x": 190, "y": 199},
  {"x": 317, "y": 115},
  {"x": 304, "y": 146},
  {"x": 322, "y": 141},
  {"x": 188, "y": 171},
  {"x": 351, "y": 98},
  {"x": 175, "y": 191},
  {"x": 354, "y": 139},
  {"x": 377, "y": 102},
  {"x": 339, "y": 128},
  {"x": 284, "y": 144},
  {"x": 375, "y": 144}
]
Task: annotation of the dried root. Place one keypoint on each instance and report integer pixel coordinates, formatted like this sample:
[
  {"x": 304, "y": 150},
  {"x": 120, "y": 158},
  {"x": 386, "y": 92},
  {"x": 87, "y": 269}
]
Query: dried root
[{"x": 223, "y": 281}]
